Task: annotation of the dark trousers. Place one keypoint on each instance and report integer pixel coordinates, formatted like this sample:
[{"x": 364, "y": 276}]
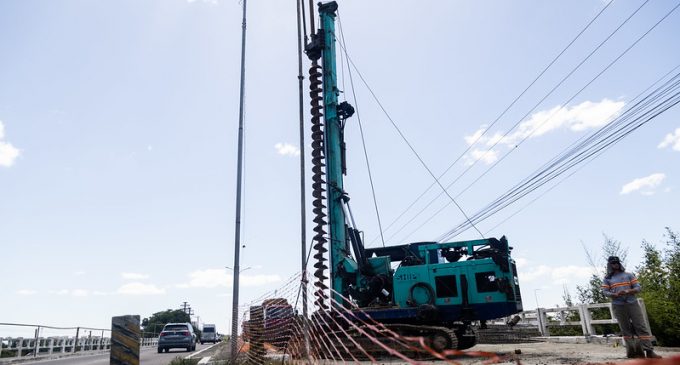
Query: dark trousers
[{"x": 632, "y": 322}]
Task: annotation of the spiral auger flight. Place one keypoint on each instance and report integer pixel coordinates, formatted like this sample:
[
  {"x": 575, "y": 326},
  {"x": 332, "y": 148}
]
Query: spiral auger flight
[{"x": 318, "y": 186}]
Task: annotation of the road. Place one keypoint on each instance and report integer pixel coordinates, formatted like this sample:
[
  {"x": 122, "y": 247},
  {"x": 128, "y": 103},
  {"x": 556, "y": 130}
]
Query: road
[{"x": 148, "y": 356}]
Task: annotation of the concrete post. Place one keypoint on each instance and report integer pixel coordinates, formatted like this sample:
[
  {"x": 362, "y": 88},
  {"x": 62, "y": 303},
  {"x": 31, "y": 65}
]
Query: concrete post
[
  {"x": 36, "y": 348},
  {"x": 588, "y": 318},
  {"x": 582, "y": 313},
  {"x": 75, "y": 343},
  {"x": 125, "y": 344},
  {"x": 542, "y": 325}
]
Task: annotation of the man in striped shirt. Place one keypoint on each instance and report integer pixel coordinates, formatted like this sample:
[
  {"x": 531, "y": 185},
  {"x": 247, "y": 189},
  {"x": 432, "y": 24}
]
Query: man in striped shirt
[{"x": 622, "y": 287}]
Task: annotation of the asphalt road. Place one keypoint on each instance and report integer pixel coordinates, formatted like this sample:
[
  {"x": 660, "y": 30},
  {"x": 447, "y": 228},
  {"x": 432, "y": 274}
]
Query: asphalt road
[{"x": 148, "y": 356}]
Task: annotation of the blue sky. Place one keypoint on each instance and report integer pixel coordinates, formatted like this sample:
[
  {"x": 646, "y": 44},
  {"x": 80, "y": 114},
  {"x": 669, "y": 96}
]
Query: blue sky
[{"x": 118, "y": 126}]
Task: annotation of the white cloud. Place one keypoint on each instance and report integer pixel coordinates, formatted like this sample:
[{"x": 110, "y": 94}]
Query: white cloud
[
  {"x": 209, "y": 278},
  {"x": 586, "y": 115},
  {"x": 671, "y": 140},
  {"x": 27, "y": 292},
  {"x": 486, "y": 156},
  {"x": 212, "y": 278},
  {"x": 8, "y": 153},
  {"x": 649, "y": 182},
  {"x": 79, "y": 273},
  {"x": 133, "y": 276},
  {"x": 556, "y": 275},
  {"x": 79, "y": 293},
  {"x": 100, "y": 293},
  {"x": 59, "y": 292},
  {"x": 287, "y": 149},
  {"x": 473, "y": 138},
  {"x": 521, "y": 262},
  {"x": 258, "y": 280},
  {"x": 140, "y": 289}
]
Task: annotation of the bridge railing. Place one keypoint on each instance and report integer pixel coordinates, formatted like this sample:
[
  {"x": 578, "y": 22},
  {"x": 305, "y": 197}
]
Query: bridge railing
[
  {"x": 81, "y": 339},
  {"x": 544, "y": 318}
]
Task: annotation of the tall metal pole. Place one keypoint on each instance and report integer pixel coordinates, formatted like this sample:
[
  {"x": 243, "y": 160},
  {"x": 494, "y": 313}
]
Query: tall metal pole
[
  {"x": 303, "y": 194},
  {"x": 239, "y": 169}
]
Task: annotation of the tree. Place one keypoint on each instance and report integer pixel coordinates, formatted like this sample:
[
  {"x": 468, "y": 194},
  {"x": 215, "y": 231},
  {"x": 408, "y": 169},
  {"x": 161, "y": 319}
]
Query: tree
[
  {"x": 659, "y": 277},
  {"x": 660, "y": 280},
  {"x": 592, "y": 293},
  {"x": 153, "y": 325}
]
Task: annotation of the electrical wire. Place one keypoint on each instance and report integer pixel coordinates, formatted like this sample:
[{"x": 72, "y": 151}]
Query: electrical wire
[
  {"x": 632, "y": 119},
  {"x": 363, "y": 140},
  {"x": 556, "y": 159},
  {"x": 540, "y": 74},
  {"x": 542, "y": 179},
  {"x": 403, "y": 137},
  {"x": 516, "y": 146}
]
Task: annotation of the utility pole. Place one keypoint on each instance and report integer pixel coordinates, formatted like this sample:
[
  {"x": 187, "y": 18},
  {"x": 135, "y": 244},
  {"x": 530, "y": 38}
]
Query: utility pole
[
  {"x": 239, "y": 180},
  {"x": 303, "y": 193}
]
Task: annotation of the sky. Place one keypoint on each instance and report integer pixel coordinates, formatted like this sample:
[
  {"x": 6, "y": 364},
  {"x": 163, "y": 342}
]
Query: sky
[{"x": 118, "y": 141}]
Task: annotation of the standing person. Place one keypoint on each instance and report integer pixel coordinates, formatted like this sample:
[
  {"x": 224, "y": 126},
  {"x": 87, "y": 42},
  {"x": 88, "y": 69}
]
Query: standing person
[{"x": 622, "y": 287}]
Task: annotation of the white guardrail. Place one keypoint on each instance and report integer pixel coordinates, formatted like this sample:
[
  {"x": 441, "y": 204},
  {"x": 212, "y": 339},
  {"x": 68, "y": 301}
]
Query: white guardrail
[
  {"x": 543, "y": 318},
  {"x": 20, "y": 347}
]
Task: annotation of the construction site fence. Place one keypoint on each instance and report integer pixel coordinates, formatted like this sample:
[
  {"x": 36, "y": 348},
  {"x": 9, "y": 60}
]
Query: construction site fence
[
  {"x": 50, "y": 340},
  {"x": 545, "y": 318}
]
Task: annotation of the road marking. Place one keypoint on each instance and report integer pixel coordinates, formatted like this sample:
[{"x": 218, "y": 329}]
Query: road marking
[
  {"x": 204, "y": 360},
  {"x": 198, "y": 352}
]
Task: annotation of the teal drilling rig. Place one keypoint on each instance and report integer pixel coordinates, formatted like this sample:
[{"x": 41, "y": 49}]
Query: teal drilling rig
[{"x": 438, "y": 289}]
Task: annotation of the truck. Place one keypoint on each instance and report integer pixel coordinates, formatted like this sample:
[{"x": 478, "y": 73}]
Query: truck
[{"x": 209, "y": 333}]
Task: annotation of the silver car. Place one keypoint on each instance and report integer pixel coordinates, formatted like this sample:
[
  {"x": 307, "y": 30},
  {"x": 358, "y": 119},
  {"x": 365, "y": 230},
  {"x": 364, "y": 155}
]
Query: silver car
[{"x": 177, "y": 335}]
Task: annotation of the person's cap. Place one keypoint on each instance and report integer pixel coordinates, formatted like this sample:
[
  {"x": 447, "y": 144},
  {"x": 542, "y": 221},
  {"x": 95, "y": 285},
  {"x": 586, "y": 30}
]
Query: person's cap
[{"x": 613, "y": 260}]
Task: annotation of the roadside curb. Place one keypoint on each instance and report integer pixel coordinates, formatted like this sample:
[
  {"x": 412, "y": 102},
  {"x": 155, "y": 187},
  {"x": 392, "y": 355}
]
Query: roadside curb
[
  {"x": 609, "y": 340},
  {"x": 201, "y": 350},
  {"x": 48, "y": 357}
]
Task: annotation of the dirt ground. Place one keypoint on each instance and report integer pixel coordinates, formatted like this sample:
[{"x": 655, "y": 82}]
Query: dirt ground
[
  {"x": 536, "y": 353},
  {"x": 544, "y": 353}
]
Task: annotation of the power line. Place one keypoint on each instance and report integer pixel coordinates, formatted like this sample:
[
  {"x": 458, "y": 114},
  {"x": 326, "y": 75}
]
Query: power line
[
  {"x": 363, "y": 140},
  {"x": 403, "y": 137},
  {"x": 554, "y": 112},
  {"x": 633, "y": 118},
  {"x": 543, "y": 177},
  {"x": 540, "y": 74}
]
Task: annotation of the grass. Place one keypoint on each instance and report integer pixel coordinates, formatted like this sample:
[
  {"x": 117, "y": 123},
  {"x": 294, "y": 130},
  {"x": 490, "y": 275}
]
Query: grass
[{"x": 180, "y": 361}]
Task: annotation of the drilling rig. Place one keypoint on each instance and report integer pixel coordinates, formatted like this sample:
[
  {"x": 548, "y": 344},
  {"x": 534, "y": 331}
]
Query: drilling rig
[{"x": 435, "y": 290}]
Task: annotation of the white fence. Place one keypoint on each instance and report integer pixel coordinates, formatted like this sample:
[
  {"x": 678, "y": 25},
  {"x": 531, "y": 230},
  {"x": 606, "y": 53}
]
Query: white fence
[
  {"x": 23, "y": 347},
  {"x": 19, "y": 347},
  {"x": 543, "y": 318}
]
